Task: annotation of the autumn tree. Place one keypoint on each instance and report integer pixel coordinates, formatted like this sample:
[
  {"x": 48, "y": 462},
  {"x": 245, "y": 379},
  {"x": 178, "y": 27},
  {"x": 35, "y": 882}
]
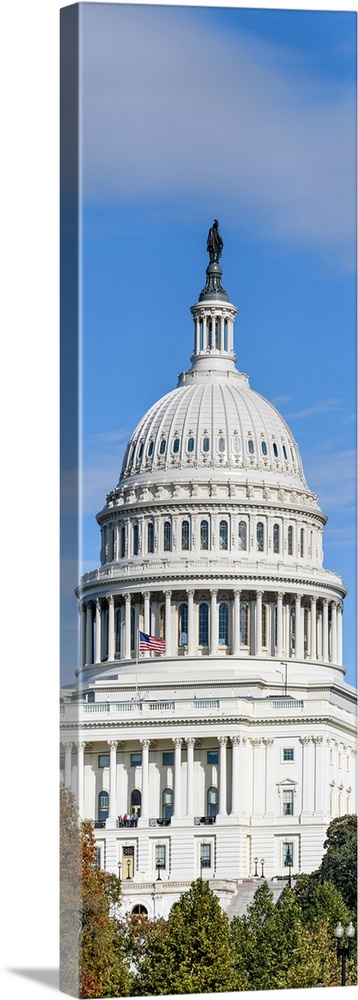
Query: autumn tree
[
  {"x": 70, "y": 894},
  {"x": 104, "y": 968}
]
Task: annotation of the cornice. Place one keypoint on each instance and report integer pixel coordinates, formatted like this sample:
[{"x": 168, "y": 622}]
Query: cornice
[{"x": 190, "y": 723}]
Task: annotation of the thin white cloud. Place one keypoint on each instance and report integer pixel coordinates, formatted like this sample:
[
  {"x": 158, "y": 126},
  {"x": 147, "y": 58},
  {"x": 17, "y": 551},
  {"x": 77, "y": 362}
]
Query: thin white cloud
[
  {"x": 177, "y": 108},
  {"x": 333, "y": 476},
  {"x": 101, "y": 466},
  {"x": 322, "y": 406}
]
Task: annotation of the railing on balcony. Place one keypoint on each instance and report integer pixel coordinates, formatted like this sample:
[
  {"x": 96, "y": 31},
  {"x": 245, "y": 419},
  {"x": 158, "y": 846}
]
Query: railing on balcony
[
  {"x": 204, "y": 820},
  {"x": 159, "y": 821}
]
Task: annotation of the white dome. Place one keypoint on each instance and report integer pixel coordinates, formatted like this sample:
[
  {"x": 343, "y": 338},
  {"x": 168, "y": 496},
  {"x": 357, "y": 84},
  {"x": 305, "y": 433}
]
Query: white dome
[{"x": 214, "y": 420}]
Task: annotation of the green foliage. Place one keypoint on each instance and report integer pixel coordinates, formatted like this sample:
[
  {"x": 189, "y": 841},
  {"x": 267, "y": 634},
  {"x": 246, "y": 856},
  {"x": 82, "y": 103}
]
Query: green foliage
[
  {"x": 339, "y": 864},
  {"x": 190, "y": 952},
  {"x": 104, "y": 968}
]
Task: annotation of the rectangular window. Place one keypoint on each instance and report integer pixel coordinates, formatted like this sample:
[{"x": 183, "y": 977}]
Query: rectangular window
[
  {"x": 136, "y": 759},
  {"x": 62, "y": 763},
  {"x": 168, "y": 758},
  {"x": 213, "y": 757},
  {"x": 98, "y": 857},
  {"x": 103, "y": 760},
  {"x": 339, "y": 760},
  {"x": 287, "y": 854},
  {"x": 288, "y": 753},
  {"x": 205, "y": 856},
  {"x": 160, "y": 856},
  {"x": 287, "y": 802}
]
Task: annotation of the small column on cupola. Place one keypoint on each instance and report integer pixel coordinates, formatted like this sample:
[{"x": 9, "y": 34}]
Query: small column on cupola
[{"x": 213, "y": 314}]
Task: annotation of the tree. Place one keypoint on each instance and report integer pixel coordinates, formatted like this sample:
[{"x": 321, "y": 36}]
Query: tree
[
  {"x": 339, "y": 864},
  {"x": 190, "y": 952},
  {"x": 104, "y": 968}
]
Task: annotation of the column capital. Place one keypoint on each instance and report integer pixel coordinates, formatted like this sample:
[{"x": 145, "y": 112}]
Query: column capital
[
  {"x": 190, "y": 742},
  {"x": 318, "y": 740},
  {"x": 260, "y": 593},
  {"x": 127, "y": 597},
  {"x": 98, "y": 603},
  {"x": 167, "y": 593},
  {"x": 237, "y": 593},
  {"x": 304, "y": 740},
  {"x": 313, "y": 598},
  {"x": 214, "y": 593},
  {"x": 146, "y": 595},
  {"x": 110, "y": 599},
  {"x": 145, "y": 744},
  {"x": 236, "y": 741},
  {"x": 267, "y": 742},
  {"x": 223, "y": 741},
  {"x": 113, "y": 744},
  {"x": 178, "y": 740},
  {"x": 79, "y": 745},
  {"x": 190, "y": 593},
  {"x": 325, "y": 601}
]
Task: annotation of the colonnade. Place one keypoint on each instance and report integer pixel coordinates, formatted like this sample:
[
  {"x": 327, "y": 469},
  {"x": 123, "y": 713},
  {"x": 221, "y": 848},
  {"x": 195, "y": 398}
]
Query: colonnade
[
  {"x": 246, "y": 783},
  {"x": 237, "y": 622}
]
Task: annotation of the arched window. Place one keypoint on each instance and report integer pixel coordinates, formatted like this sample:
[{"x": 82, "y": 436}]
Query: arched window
[
  {"x": 183, "y": 625},
  {"x": 118, "y": 631},
  {"x": 204, "y": 534},
  {"x": 260, "y": 536},
  {"x": 276, "y": 538},
  {"x": 223, "y": 534},
  {"x": 140, "y": 453},
  {"x": 242, "y": 536},
  {"x": 132, "y": 628},
  {"x": 162, "y": 621},
  {"x": 236, "y": 444},
  {"x": 150, "y": 449},
  {"x": 284, "y": 452},
  {"x": 162, "y": 446},
  {"x": 123, "y": 541},
  {"x": 190, "y": 445},
  {"x": 290, "y": 540},
  {"x": 136, "y": 801},
  {"x": 135, "y": 540},
  {"x": 167, "y": 536},
  {"x": 103, "y": 805},
  {"x": 275, "y": 449},
  {"x": 176, "y": 445},
  {"x": 185, "y": 536},
  {"x": 306, "y": 630},
  {"x": 221, "y": 445},
  {"x": 302, "y": 542},
  {"x": 139, "y": 910},
  {"x": 212, "y": 801},
  {"x": 223, "y": 625},
  {"x": 264, "y": 448},
  {"x": 292, "y": 628},
  {"x": 167, "y": 803},
  {"x": 206, "y": 444},
  {"x": 264, "y": 626},
  {"x": 150, "y": 536},
  {"x": 251, "y": 446},
  {"x": 244, "y": 624},
  {"x": 203, "y": 625}
]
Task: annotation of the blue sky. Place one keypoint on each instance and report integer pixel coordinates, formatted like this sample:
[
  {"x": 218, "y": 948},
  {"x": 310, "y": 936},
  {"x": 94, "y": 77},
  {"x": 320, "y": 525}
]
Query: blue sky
[{"x": 248, "y": 116}]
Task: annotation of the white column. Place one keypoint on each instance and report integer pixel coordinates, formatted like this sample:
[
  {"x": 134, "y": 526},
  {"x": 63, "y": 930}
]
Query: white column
[
  {"x": 235, "y": 802},
  {"x": 111, "y": 628},
  {"x": 325, "y": 630},
  {"x": 307, "y": 776},
  {"x": 213, "y": 623},
  {"x": 258, "y": 777},
  {"x": 112, "y": 815},
  {"x": 222, "y": 778},
  {"x": 68, "y": 765},
  {"x": 321, "y": 776},
  {"x": 236, "y": 624},
  {"x": 89, "y": 634},
  {"x": 197, "y": 335},
  {"x": 127, "y": 628},
  {"x": 146, "y": 596},
  {"x": 334, "y": 633},
  {"x": 279, "y": 626},
  {"x": 80, "y": 777},
  {"x": 144, "y": 813},
  {"x": 177, "y": 776},
  {"x": 191, "y": 636},
  {"x": 258, "y": 624},
  {"x": 313, "y": 650},
  {"x": 190, "y": 777},
  {"x": 339, "y": 635},
  {"x": 98, "y": 631},
  {"x": 298, "y": 628},
  {"x": 82, "y": 657},
  {"x": 168, "y": 611},
  {"x": 269, "y": 783}
]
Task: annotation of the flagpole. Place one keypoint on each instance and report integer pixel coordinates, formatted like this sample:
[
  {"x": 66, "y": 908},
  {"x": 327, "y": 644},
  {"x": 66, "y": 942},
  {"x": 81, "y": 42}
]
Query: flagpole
[{"x": 136, "y": 663}]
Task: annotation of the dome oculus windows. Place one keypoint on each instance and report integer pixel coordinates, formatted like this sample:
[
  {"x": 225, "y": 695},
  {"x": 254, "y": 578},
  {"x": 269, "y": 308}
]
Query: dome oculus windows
[
  {"x": 250, "y": 446},
  {"x": 264, "y": 448},
  {"x": 242, "y": 536},
  {"x": 176, "y": 445},
  {"x": 260, "y": 536},
  {"x": 190, "y": 445},
  {"x": 221, "y": 445},
  {"x": 204, "y": 535},
  {"x": 162, "y": 446},
  {"x": 275, "y": 449},
  {"x": 236, "y": 444},
  {"x": 206, "y": 444},
  {"x": 223, "y": 535},
  {"x": 167, "y": 536},
  {"x": 185, "y": 536},
  {"x": 150, "y": 448}
]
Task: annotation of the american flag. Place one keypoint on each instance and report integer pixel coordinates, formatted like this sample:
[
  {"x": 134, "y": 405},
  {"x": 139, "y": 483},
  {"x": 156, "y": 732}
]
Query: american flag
[{"x": 150, "y": 642}]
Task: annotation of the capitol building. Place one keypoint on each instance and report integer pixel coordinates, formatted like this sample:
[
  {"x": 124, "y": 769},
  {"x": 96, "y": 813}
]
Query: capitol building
[{"x": 224, "y": 745}]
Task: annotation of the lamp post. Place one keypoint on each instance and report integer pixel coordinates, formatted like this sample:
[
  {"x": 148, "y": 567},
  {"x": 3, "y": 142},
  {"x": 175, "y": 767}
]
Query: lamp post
[
  {"x": 159, "y": 877},
  {"x": 128, "y": 868},
  {"x": 344, "y": 950},
  {"x": 256, "y": 874},
  {"x": 119, "y": 869}
]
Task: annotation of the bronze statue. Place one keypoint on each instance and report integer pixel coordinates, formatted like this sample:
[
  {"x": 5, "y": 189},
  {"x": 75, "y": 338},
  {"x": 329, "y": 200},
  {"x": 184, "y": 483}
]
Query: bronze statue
[{"x": 215, "y": 243}]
